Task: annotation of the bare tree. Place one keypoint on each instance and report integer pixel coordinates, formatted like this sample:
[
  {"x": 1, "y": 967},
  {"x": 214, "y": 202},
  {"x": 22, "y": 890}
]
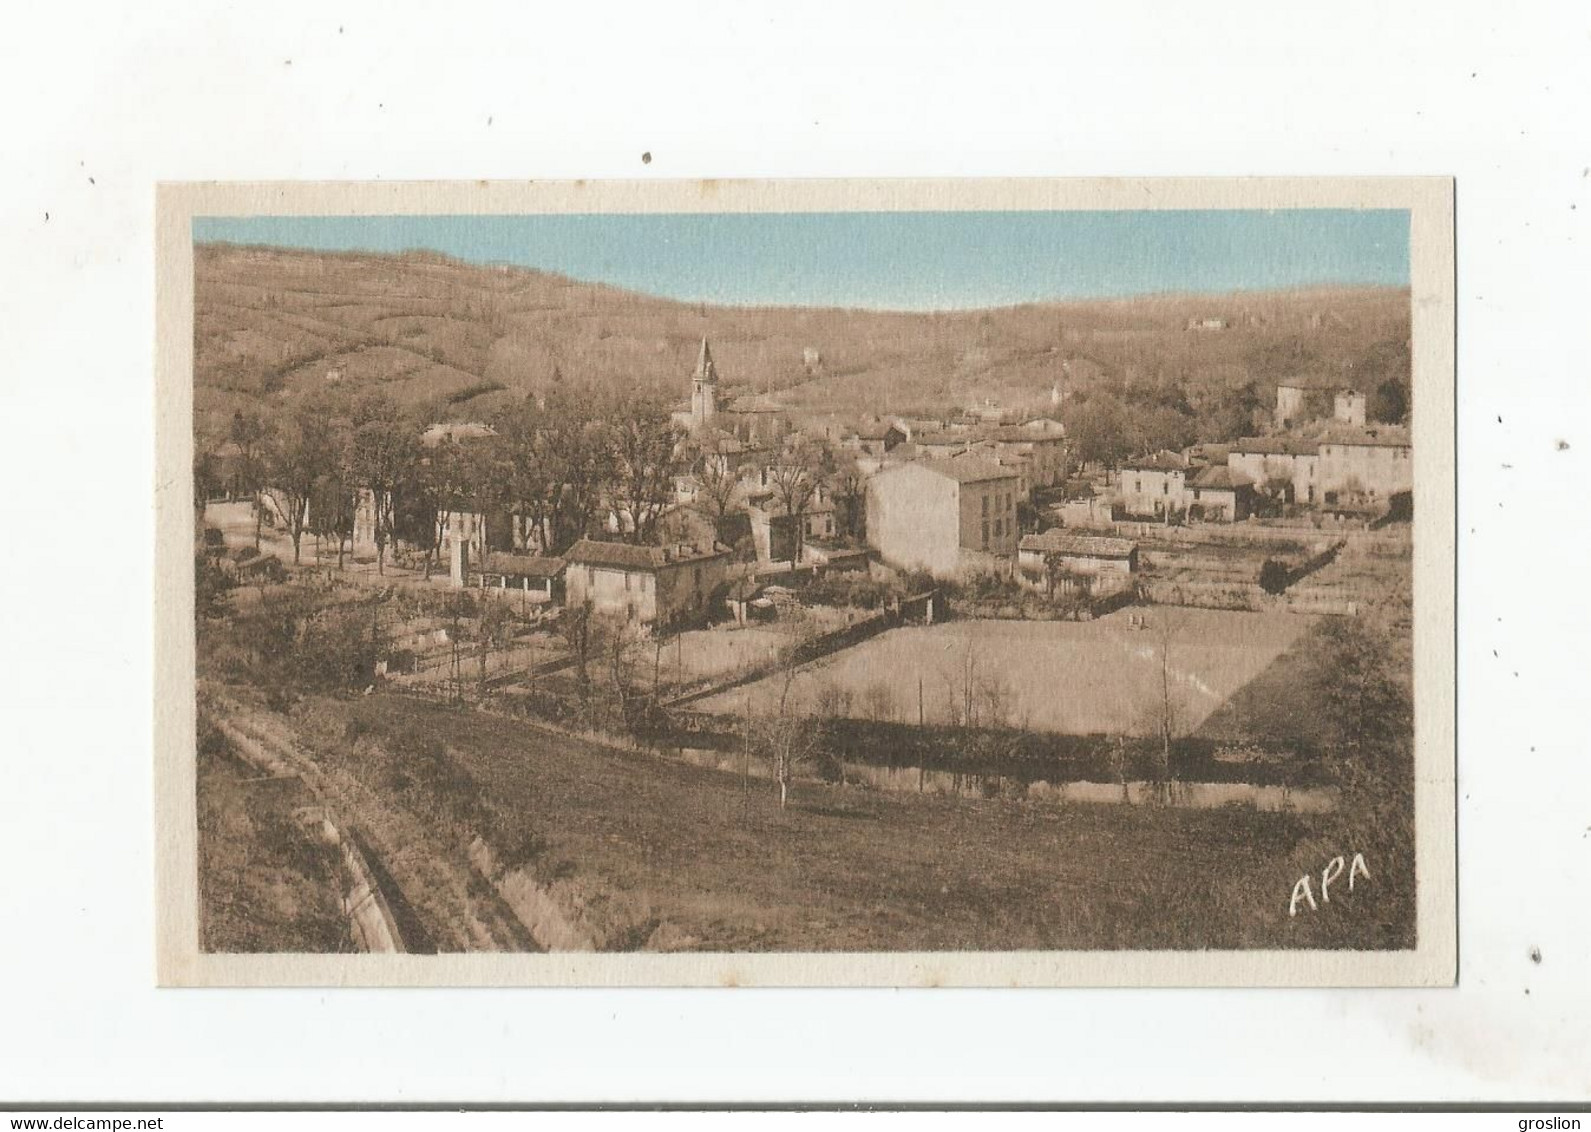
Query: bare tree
[
  {"x": 719, "y": 479},
  {"x": 790, "y": 740},
  {"x": 576, "y": 624},
  {"x": 301, "y": 454},
  {"x": 576, "y": 463},
  {"x": 528, "y": 486},
  {"x": 643, "y": 442},
  {"x": 796, "y": 477},
  {"x": 383, "y": 456},
  {"x": 492, "y": 630},
  {"x": 1166, "y": 627},
  {"x": 248, "y": 431},
  {"x": 850, "y": 499}
]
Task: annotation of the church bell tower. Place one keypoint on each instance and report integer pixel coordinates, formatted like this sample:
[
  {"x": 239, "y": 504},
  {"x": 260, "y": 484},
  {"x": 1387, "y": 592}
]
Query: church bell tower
[{"x": 704, "y": 388}]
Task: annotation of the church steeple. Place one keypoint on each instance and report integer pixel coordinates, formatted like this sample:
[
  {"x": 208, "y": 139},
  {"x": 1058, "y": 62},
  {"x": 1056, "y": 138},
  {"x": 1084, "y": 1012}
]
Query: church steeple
[
  {"x": 705, "y": 370},
  {"x": 704, "y": 388}
]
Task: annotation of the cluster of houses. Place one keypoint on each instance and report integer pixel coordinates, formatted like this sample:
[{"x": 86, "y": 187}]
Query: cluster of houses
[
  {"x": 1337, "y": 464},
  {"x": 938, "y": 496}
]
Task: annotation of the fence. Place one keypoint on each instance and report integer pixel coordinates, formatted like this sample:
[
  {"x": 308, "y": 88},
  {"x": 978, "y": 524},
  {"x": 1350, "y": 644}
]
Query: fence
[{"x": 814, "y": 648}]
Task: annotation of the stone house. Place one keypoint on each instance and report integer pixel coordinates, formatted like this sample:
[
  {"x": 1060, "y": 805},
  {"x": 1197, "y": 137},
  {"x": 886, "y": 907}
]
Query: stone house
[
  {"x": 1046, "y": 452},
  {"x": 1220, "y": 494},
  {"x": 1153, "y": 485},
  {"x": 1099, "y": 563},
  {"x": 944, "y": 516},
  {"x": 645, "y": 585},
  {"x": 1270, "y": 459},
  {"x": 1367, "y": 464}
]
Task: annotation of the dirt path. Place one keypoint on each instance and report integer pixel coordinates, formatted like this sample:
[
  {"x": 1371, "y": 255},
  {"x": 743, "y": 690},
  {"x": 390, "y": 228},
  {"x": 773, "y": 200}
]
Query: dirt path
[{"x": 431, "y": 894}]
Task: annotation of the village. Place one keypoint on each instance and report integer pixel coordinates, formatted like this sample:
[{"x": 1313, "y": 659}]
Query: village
[
  {"x": 835, "y": 609},
  {"x": 748, "y": 495},
  {"x": 725, "y": 514}
]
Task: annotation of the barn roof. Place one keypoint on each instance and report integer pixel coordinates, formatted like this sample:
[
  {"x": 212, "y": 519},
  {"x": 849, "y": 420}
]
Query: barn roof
[
  {"x": 1057, "y": 541},
  {"x": 629, "y": 556},
  {"x": 523, "y": 565}
]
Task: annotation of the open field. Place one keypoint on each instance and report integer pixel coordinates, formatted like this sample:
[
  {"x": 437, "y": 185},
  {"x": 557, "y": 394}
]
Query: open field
[
  {"x": 1070, "y": 677},
  {"x": 641, "y": 852},
  {"x": 264, "y": 883}
]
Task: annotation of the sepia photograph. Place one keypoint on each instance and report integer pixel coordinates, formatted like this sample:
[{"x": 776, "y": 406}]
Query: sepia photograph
[{"x": 995, "y": 583}]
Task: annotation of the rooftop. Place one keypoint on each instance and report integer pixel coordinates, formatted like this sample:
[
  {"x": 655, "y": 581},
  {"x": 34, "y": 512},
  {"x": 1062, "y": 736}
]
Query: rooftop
[
  {"x": 629, "y": 556},
  {"x": 523, "y": 565},
  {"x": 1162, "y": 461},
  {"x": 1375, "y": 436},
  {"x": 876, "y": 430},
  {"x": 943, "y": 438},
  {"x": 754, "y": 403},
  {"x": 466, "y": 430},
  {"x": 1057, "y": 541},
  {"x": 1276, "y": 446},
  {"x": 968, "y": 469},
  {"x": 1220, "y": 476},
  {"x": 1317, "y": 381}
]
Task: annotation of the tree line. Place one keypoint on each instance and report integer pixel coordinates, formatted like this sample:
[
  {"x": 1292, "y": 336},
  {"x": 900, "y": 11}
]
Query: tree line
[
  {"x": 1148, "y": 413},
  {"x": 551, "y": 469}
]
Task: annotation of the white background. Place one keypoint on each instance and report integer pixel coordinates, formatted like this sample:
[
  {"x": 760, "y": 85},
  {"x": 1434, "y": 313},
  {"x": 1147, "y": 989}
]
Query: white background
[{"x": 102, "y": 100}]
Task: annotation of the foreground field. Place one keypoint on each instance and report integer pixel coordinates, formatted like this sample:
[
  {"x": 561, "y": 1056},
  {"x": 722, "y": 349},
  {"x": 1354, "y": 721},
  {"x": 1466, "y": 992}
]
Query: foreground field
[
  {"x": 641, "y": 852},
  {"x": 264, "y": 885},
  {"x": 1070, "y": 677}
]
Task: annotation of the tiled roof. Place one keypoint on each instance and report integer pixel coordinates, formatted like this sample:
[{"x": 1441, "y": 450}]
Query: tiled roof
[
  {"x": 1221, "y": 477},
  {"x": 1378, "y": 436},
  {"x": 628, "y": 556},
  {"x": 1159, "y": 462},
  {"x": 523, "y": 565},
  {"x": 753, "y": 403},
  {"x": 941, "y": 439},
  {"x": 1276, "y": 446},
  {"x": 1057, "y": 541}
]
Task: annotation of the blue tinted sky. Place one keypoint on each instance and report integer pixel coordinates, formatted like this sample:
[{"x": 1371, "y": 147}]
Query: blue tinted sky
[{"x": 897, "y": 260}]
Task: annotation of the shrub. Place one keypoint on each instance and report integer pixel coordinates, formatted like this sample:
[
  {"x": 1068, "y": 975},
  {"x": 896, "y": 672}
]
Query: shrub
[{"x": 1274, "y": 576}]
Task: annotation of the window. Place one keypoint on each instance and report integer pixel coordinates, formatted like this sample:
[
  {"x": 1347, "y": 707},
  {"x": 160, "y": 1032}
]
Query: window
[
  {"x": 1138, "y": 485},
  {"x": 1165, "y": 487},
  {"x": 626, "y": 583},
  {"x": 986, "y": 505},
  {"x": 986, "y": 534}
]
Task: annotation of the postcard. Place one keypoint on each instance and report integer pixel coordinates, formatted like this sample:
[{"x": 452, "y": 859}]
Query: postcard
[{"x": 808, "y": 583}]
